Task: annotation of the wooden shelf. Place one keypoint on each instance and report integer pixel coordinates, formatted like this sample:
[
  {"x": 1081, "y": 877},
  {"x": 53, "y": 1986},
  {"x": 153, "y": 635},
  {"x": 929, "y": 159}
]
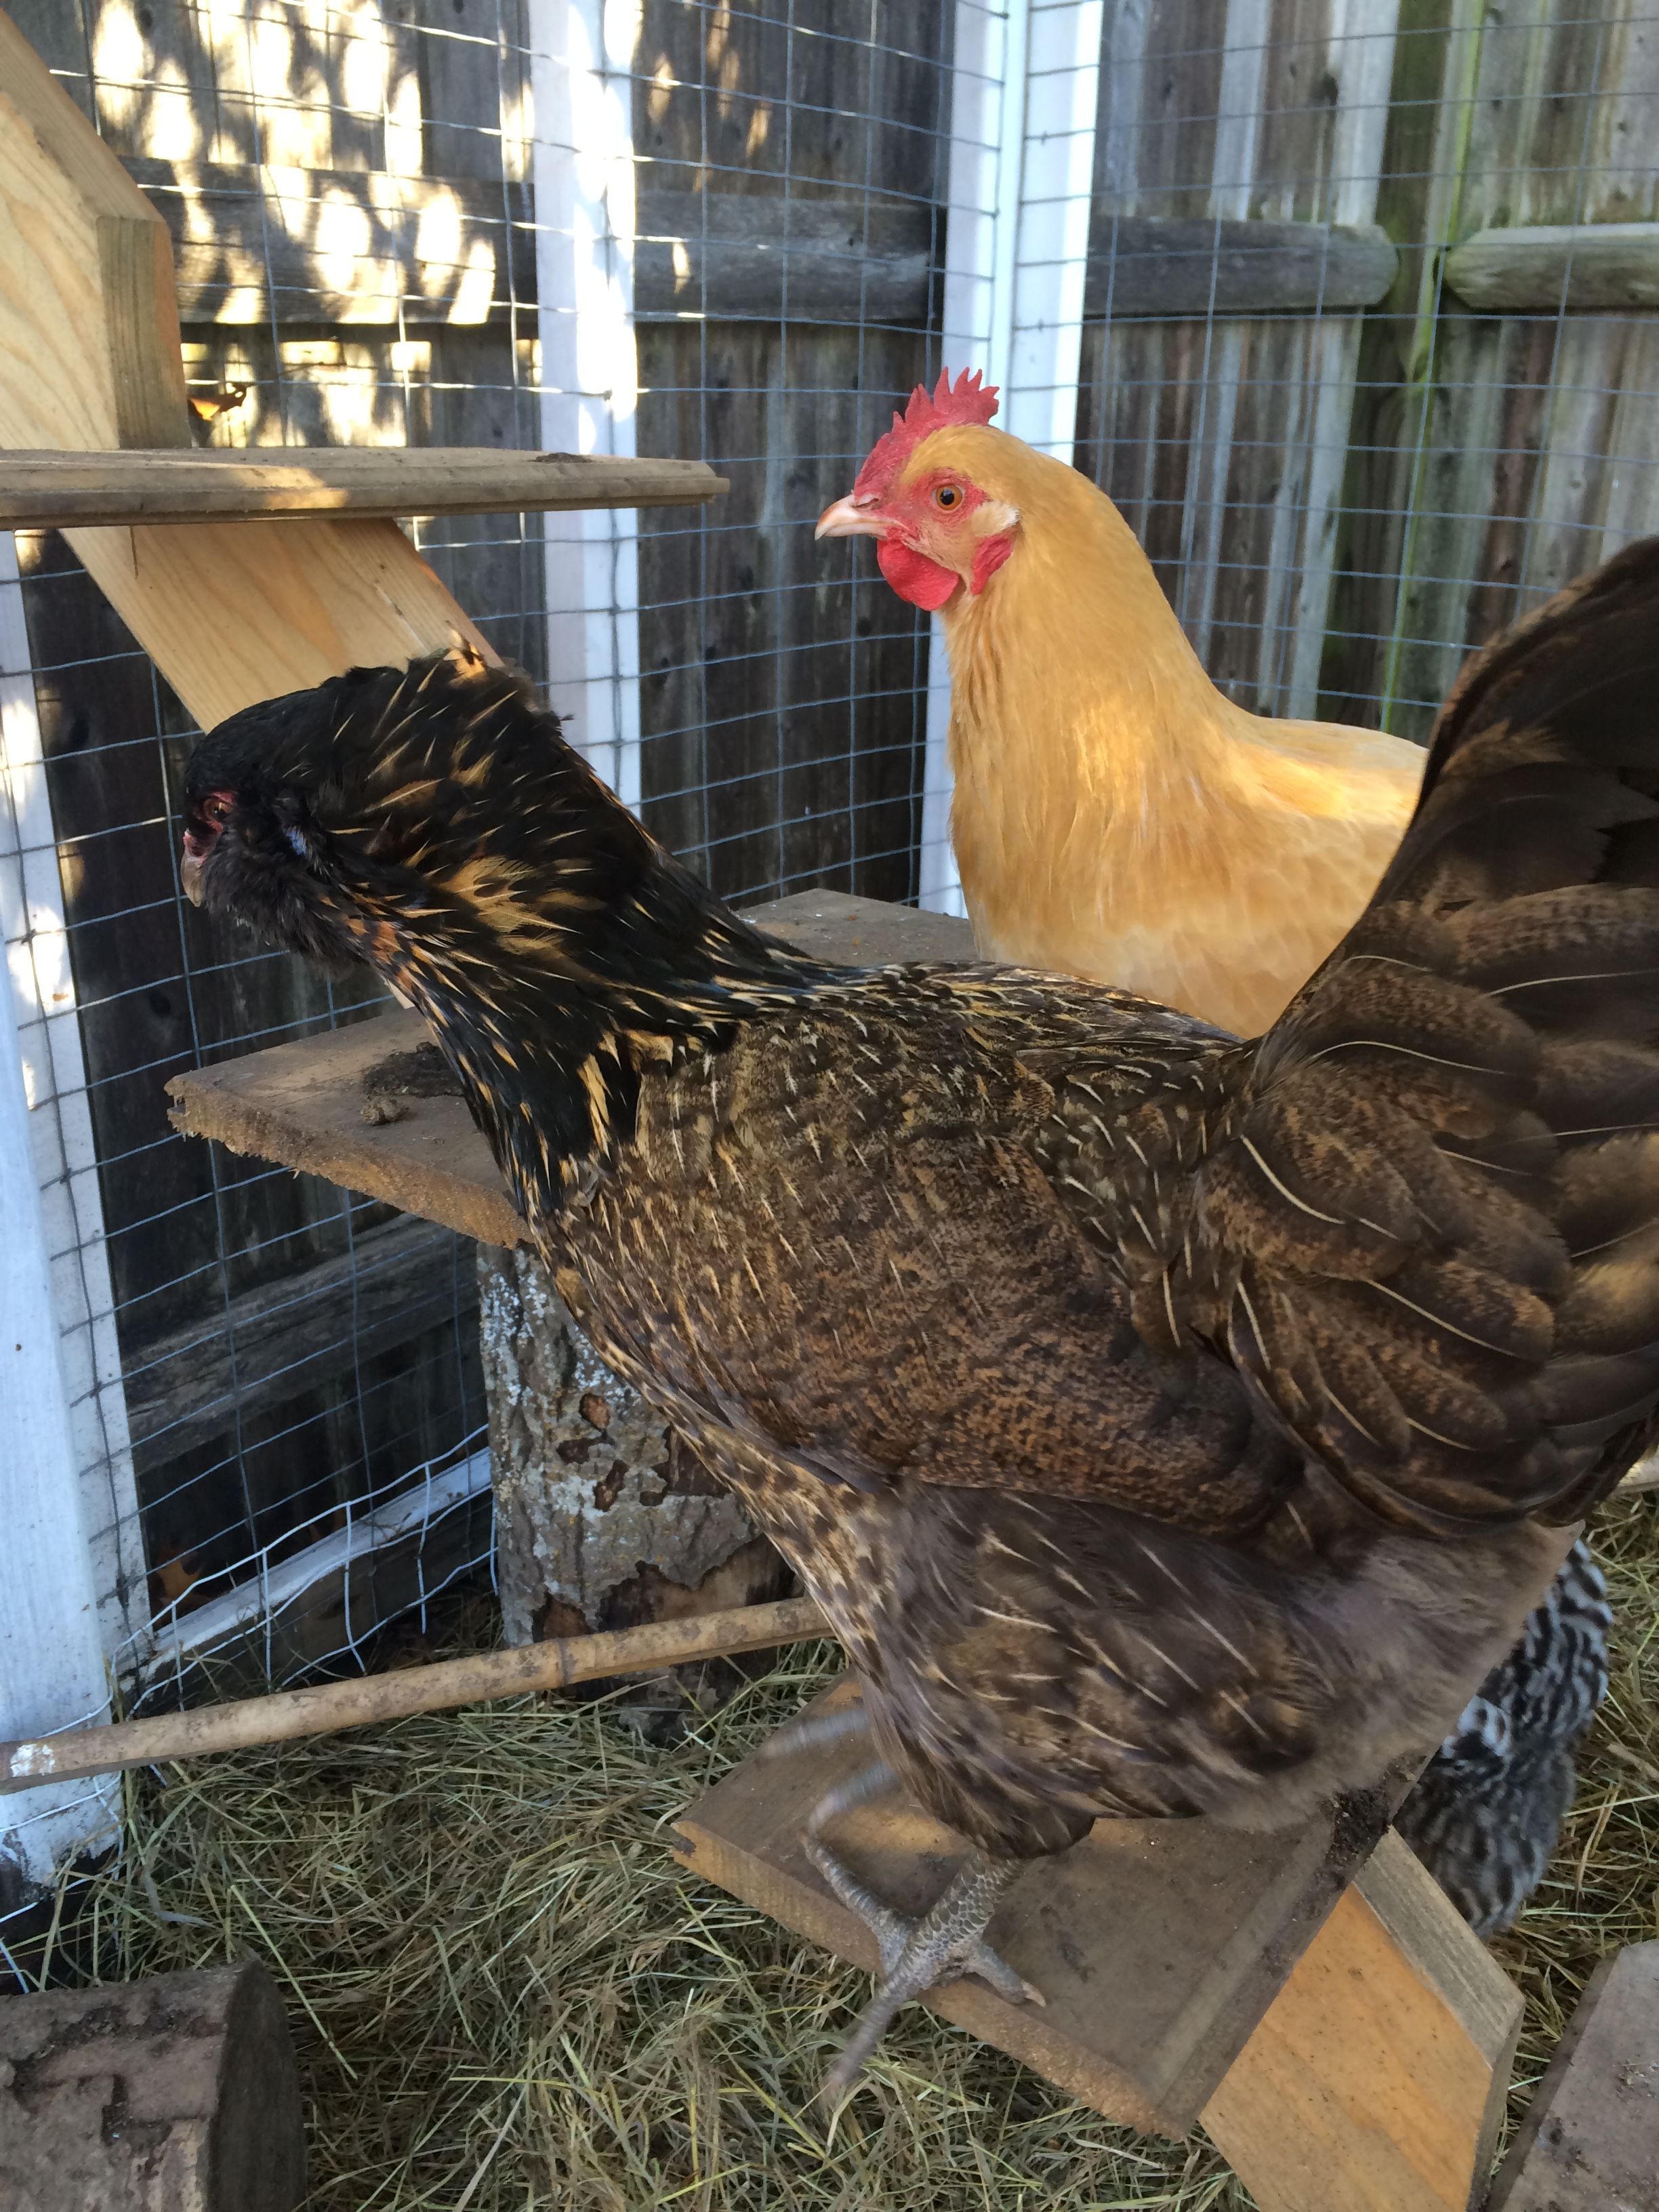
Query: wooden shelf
[
  {"x": 72, "y": 490},
  {"x": 301, "y": 1104}
]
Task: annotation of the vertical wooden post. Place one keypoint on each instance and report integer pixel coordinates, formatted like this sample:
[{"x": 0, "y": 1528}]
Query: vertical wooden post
[
  {"x": 988, "y": 84},
  {"x": 582, "y": 173}
]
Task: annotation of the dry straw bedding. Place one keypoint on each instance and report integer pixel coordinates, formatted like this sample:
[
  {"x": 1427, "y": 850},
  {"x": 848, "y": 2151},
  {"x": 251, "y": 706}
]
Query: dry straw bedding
[{"x": 506, "y": 1993}]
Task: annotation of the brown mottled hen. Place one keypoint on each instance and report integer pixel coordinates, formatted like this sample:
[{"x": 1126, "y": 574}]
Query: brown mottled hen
[{"x": 1167, "y": 1424}]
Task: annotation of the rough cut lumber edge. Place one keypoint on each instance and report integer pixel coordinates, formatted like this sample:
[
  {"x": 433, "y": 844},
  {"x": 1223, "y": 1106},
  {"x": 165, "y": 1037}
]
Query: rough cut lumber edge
[
  {"x": 1376, "y": 2082},
  {"x": 175, "y": 2095},
  {"x": 287, "y": 1714},
  {"x": 140, "y": 338},
  {"x": 230, "y": 612},
  {"x": 1539, "y": 268},
  {"x": 54, "y": 490},
  {"x": 1591, "y": 2139}
]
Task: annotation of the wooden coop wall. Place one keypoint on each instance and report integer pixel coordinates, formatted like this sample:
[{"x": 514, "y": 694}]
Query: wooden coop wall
[{"x": 1339, "y": 501}]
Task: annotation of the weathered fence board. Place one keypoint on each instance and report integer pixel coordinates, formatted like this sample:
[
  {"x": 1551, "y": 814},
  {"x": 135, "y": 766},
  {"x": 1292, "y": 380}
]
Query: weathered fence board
[{"x": 1222, "y": 435}]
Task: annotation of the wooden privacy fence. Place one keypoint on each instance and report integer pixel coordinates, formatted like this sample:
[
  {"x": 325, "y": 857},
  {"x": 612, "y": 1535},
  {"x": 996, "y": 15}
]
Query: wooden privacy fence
[{"x": 1353, "y": 296}]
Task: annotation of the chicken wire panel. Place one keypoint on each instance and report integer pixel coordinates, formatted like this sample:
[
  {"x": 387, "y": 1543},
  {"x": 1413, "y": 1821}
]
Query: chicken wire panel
[
  {"x": 351, "y": 192},
  {"x": 791, "y": 162},
  {"x": 299, "y": 1374},
  {"x": 1341, "y": 497}
]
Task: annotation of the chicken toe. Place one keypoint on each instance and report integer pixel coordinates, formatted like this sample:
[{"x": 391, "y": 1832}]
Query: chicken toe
[{"x": 916, "y": 1956}]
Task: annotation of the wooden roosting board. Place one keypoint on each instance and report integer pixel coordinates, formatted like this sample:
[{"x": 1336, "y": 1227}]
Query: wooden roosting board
[{"x": 1368, "y": 2044}]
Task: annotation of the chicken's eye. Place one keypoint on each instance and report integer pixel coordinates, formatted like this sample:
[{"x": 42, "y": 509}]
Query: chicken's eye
[
  {"x": 946, "y": 497},
  {"x": 216, "y": 809}
]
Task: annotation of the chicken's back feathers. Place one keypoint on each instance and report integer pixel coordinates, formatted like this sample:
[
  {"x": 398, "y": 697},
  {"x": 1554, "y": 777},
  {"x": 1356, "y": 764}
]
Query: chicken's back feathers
[{"x": 1431, "y": 1234}]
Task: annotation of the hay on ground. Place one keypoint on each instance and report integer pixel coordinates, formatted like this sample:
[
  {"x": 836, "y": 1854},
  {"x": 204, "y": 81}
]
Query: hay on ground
[{"x": 506, "y": 1993}]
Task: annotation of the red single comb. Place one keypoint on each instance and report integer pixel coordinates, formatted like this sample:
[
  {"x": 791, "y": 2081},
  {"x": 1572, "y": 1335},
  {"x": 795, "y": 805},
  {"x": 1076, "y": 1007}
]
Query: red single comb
[{"x": 969, "y": 399}]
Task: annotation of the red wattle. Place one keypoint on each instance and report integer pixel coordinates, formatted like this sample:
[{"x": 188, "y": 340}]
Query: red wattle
[{"x": 914, "y": 576}]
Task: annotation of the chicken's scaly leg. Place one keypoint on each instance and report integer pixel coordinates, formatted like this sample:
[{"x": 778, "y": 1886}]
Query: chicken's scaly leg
[
  {"x": 945, "y": 1943},
  {"x": 812, "y": 1731}
]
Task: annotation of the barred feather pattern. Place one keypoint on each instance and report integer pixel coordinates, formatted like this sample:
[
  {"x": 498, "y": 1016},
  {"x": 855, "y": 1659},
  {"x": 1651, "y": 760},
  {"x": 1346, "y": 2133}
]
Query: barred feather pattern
[{"x": 1486, "y": 1816}]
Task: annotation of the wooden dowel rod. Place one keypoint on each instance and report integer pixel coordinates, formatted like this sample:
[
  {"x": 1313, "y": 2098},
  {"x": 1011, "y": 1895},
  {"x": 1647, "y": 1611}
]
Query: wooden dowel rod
[{"x": 285, "y": 1714}]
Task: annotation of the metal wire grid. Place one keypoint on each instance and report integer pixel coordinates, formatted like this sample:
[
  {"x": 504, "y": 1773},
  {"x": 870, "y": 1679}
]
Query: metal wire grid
[
  {"x": 1265, "y": 467},
  {"x": 1338, "y": 511},
  {"x": 240, "y": 1529}
]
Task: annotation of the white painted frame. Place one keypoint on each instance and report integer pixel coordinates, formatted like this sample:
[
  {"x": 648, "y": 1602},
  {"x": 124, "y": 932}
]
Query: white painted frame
[
  {"x": 581, "y": 170},
  {"x": 1024, "y": 96},
  {"x": 72, "y": 1587}
]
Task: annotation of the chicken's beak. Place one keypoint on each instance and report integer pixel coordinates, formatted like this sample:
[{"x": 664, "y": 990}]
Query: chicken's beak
[
  {"x": 852, "y": 517},
  {"x": 190, "y": 878}
]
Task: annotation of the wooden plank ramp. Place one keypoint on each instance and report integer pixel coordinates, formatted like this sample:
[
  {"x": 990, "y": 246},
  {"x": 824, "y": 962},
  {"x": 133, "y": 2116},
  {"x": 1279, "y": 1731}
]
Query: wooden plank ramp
[{"x": 1332, "y": 2022}]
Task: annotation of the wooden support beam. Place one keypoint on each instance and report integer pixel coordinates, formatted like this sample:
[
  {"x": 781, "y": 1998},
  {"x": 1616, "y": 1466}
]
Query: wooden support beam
[
  {"x": 231, "y": 612},
  {"x": 1538, "y": 269},
  {"x": 254, "y": 244},
  {"x": 59, "y": 490},
  {"x": 1591, "y": 2139},
  {"x": 364, "y": 248},
  {"x": 736, "y": 256},
  {"x": 271, "y": 1343},
  {"x": 177, "y": 2094}
]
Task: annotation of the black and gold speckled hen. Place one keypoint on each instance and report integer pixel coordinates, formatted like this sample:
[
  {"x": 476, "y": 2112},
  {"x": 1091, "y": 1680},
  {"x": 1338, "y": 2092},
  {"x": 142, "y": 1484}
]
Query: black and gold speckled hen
[{"x": 1167, "y": 1423}]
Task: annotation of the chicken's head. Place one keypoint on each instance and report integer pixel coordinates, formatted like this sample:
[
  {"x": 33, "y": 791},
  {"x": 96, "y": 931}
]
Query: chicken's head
[
  {"x": 388, "y": 809},
  {"x": 939, "y": 526}
]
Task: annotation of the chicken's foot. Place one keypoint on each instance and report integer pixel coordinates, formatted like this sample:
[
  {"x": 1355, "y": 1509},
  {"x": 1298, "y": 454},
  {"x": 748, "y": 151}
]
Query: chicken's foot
[
  {"x": 812, "y": 1731},
  {"x": 947, "y": 1943}
]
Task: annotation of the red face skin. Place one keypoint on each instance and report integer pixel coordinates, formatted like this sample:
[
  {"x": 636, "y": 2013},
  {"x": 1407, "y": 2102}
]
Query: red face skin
[
  {"x": 201, "y": 835},
  {"x": 935, "y": 535}
]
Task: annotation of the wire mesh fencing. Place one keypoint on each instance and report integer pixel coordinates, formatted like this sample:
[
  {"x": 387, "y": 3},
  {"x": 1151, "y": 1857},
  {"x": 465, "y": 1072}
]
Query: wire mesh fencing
[{"x": 1353, "y": 362}]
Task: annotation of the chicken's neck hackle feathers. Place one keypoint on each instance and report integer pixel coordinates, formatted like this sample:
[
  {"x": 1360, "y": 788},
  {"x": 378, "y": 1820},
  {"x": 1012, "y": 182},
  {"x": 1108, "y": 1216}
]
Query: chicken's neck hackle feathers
[{"x": 473, "y": 857}]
